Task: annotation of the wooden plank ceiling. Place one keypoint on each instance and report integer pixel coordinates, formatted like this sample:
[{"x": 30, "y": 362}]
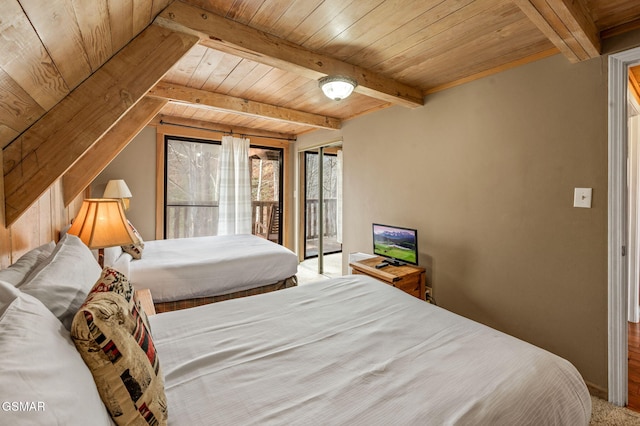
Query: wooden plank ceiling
[{"x": 256, "y": 63}]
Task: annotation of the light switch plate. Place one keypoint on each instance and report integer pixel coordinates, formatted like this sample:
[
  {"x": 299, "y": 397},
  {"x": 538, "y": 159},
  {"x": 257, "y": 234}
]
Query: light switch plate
[{"x": 582, "y": 197}]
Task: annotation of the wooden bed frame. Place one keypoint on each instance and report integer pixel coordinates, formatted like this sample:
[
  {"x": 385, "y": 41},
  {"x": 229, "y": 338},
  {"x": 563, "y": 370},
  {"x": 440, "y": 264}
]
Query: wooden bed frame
[{"x": 190, "y": 303}]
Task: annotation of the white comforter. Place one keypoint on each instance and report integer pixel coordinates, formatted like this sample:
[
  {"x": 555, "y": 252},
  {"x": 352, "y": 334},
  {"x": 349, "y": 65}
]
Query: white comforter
[
  {"x": 185, "y": 268},
  {"x": 354, "y": 351}
]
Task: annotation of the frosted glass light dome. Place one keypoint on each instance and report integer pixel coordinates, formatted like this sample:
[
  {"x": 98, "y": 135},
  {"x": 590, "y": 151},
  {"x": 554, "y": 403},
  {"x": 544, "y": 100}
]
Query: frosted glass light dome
[{"x": 337, "y": 87}]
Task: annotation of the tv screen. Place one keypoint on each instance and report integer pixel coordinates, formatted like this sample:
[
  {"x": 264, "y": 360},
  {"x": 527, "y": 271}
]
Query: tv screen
[{"x": 396, "y": 243}]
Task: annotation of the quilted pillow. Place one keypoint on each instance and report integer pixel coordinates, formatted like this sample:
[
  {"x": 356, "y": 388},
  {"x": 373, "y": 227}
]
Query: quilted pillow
[
  {"x": 135, "y": 250},
  {"x": 112, "y": 334}
]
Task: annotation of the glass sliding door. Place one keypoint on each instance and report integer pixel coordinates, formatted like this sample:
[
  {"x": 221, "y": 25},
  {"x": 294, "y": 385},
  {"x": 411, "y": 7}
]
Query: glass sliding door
[
  {"x": 191, "y": 189},
  {"x": 322, "y": 216}
]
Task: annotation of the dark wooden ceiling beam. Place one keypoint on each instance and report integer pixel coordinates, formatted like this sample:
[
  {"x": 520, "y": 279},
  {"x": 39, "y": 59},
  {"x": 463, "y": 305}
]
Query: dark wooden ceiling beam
[
  {"x": 246, "y": 42},
  {"x": 242, "y": 106},
  {"x": 567, "y": 24},
  {"x": 620, "y": 29}
]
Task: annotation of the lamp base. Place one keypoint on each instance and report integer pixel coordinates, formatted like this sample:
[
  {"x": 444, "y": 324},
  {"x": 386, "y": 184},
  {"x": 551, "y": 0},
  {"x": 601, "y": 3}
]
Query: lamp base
[{"x": 101, "y": 258}]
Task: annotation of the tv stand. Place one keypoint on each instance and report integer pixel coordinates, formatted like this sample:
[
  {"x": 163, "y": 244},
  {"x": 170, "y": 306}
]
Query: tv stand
[{"x": 408, "y": 278}]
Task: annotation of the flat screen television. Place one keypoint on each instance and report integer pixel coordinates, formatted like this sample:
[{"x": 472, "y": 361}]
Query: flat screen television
[{"x": 399, "y": 245}]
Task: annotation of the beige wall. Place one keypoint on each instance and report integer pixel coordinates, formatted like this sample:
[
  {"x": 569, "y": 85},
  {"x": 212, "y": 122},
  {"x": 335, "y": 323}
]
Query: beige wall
[
  {"x": 486, "y": 173},
  {"x": 136, "y": 164}
]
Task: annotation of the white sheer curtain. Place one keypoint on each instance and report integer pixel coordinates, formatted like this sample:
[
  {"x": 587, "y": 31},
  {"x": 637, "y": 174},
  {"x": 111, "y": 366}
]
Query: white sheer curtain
[{"x": 234, "y": 183}]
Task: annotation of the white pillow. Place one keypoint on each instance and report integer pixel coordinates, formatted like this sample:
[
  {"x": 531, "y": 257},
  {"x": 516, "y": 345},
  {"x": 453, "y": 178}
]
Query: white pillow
[
  {"x": 111, "y": 254},
  {"x": 65, "y": 278},
  {"x": 135, "y": 250},
  {"x": 64, "y": 230},
  {"x": 8, "y": 293},
  {"x": 43, "y": 379},
  {"x": 123, "y": 264},
  {"x": 21, "y": 268}
]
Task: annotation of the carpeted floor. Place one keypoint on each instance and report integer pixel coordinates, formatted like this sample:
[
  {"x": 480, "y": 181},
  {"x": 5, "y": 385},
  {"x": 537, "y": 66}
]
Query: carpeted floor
[{"x": 606, "y": 414}]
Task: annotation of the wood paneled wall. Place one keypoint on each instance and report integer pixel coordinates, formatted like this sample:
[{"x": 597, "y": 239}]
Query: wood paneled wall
[{"x": 40, "y": 224}]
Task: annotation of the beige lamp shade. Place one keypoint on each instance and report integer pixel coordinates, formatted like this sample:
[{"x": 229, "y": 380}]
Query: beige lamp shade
[
  {"x": 101, "y": 223},
  {"x": 117, "y": 188}
]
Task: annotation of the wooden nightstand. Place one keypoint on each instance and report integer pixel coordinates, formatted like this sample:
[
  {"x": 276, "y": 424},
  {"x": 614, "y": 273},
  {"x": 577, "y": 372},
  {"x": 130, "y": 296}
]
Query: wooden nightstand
[
  {"x": 408, "y": 278},
  {"x": 144, "y": 296}
]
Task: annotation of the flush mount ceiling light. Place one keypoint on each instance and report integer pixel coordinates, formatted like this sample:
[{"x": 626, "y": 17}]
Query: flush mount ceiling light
[{"x": 337, "y": 87}]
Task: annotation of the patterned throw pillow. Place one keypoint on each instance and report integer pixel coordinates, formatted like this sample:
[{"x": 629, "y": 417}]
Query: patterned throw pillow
[
  {"x": 112, "y": 334},
  {"x": 135, "y": 250}
]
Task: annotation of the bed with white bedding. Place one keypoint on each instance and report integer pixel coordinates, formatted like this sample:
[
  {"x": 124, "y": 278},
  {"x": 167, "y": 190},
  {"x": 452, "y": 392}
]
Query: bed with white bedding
[
  {"x": 353, "y": 351},
  {"x": 186, "y": 272},
  {"x": 346, "y": 351}
]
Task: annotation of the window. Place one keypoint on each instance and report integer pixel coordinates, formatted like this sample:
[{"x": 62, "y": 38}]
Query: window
[
  {"x": 266, "y": 189},
  {"x": 191, "y": 191}
]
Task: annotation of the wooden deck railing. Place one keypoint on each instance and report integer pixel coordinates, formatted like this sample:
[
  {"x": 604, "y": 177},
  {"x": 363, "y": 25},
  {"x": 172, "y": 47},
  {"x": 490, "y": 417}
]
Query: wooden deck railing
[
  {"x": 330, "y": 218},
  {"x": 260, "y": 214}
]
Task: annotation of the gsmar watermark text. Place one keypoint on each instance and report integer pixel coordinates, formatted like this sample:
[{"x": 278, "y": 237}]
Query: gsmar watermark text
[{"x": 23, "y": 406}]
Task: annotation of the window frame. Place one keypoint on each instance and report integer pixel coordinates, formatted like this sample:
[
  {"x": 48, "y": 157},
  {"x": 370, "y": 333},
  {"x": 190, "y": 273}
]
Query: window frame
[
  {"x": 162, "y": 163},
  {"x": 304, "y": 250},
  {"x": 205, "y": 130},
  {"x": 281, "y": 194},
  {"x": 168, "y": 138}
]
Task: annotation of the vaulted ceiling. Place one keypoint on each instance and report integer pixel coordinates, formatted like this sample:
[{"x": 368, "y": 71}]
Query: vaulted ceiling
[{"x": 78, "y": 79}]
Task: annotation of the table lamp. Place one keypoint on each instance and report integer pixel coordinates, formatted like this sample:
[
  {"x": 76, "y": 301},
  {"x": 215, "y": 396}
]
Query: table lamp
[
  {"x": 117, "y": 188},
  {"x": 101, "y": 223}
]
